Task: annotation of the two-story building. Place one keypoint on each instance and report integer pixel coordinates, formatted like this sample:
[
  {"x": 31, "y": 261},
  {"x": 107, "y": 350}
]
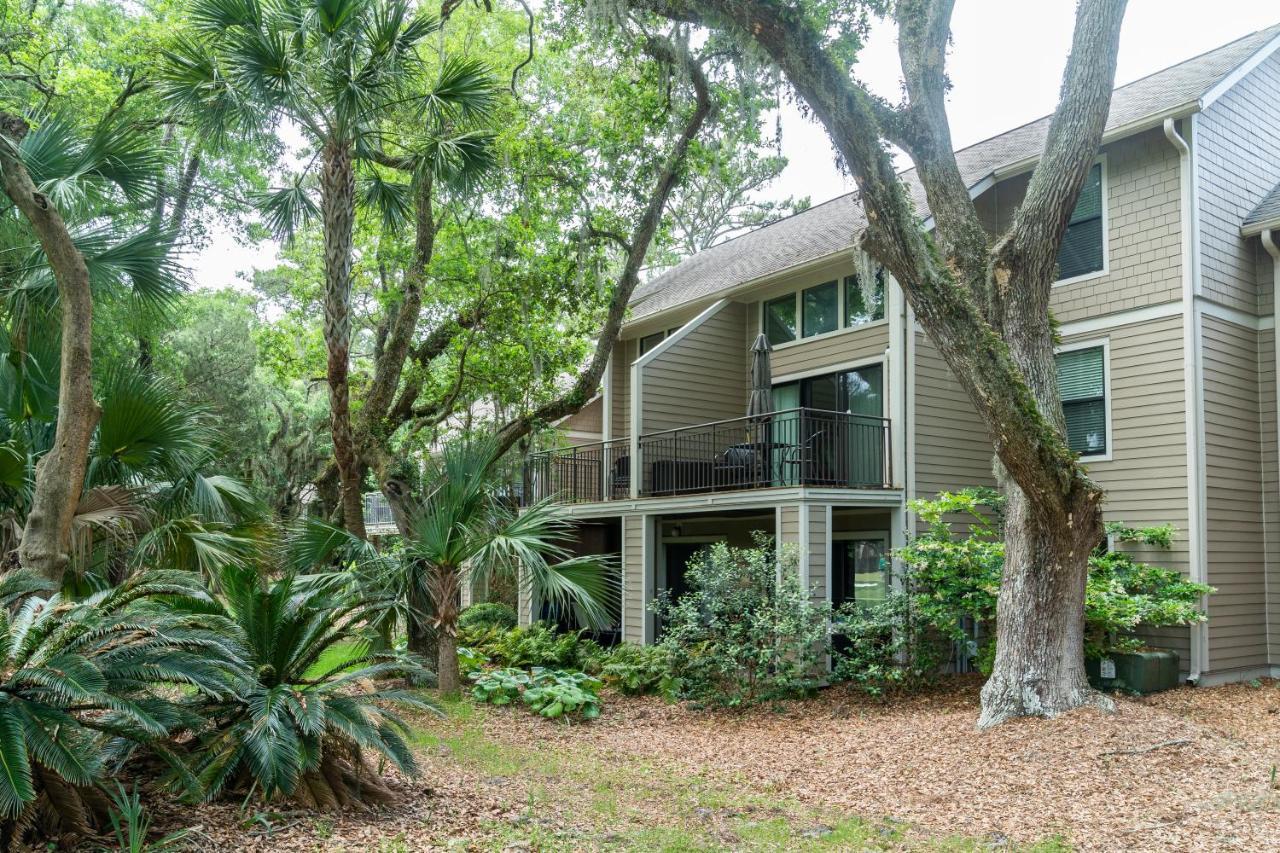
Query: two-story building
[{"x": 1167, "y": 367}]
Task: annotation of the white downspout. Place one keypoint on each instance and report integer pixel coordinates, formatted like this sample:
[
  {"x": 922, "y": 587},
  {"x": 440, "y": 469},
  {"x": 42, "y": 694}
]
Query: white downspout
[
  {"x": 1269, "y": 243},
  {"x": 1192, "y": 393}
]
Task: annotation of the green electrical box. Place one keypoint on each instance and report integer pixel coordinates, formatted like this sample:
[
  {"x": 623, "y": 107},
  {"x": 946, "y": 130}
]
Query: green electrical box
[{"x": 1135, "y": 672}]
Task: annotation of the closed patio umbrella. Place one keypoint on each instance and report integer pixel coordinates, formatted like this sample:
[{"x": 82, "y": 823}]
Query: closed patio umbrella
[{"x": 760, "y": 404}]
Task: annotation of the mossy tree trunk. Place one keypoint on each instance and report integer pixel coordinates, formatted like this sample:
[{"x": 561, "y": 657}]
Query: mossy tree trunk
[
  {"x": 46, "y": 537},
  {"x": 983, "y": 302}
]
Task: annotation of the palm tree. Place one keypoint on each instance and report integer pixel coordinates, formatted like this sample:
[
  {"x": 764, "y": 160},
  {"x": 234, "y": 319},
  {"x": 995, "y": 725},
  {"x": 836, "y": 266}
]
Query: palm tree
[
  {"x": 147, "y": 498},
  {"x": 305, "y": 716},
  {"x": 466, "y": 530},
  {"x": 86, "y": 681},
  {"x": 334, "y": 69}
]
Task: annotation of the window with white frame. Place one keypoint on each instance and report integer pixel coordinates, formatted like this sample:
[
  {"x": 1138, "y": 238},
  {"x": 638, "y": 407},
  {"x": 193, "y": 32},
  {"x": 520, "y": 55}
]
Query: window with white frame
[
  {"x": 1083, "y": 248},
  {"x": 1082, "y": 385},
  {"x": 822, "y": 309}
]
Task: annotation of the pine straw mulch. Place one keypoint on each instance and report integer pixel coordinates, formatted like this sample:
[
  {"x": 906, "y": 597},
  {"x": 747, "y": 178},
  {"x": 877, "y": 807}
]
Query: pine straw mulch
[{"x": 1191, "y": 769}]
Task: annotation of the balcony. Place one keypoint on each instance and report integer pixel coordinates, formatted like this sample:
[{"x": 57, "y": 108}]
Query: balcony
[{"x": 795, "y": 447}]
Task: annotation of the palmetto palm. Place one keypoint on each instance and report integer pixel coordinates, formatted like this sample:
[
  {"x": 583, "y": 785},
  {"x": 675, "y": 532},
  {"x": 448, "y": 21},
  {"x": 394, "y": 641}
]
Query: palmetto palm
[
  {"x": 306, "y": 715},
  {"x": 147, "y": 499},
  {"x": 80, "y": 681},
  {"x": 336, "y": 69},
  {"x": 466, "y": 530}
]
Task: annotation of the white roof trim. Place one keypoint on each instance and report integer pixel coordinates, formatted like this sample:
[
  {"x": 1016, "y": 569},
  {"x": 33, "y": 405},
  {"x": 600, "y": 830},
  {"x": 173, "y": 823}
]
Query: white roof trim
[
  {"x": 1254, "y": 229},
  {"x": 1238, "y": 73},
  {"x": 680, "y": 334}
]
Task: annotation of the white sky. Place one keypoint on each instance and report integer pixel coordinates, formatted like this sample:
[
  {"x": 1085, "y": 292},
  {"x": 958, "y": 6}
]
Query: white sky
[{"x": 1005, "y": 67}]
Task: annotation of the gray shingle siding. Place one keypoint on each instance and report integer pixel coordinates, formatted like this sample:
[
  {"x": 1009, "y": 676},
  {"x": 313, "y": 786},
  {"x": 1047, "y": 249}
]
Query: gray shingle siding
[{"x": 1238, "y": 161}]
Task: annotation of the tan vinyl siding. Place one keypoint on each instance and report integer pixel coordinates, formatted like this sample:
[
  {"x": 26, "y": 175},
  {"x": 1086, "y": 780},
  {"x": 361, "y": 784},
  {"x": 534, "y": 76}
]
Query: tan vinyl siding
[
  {"x": 1143, "y": 224},
  {"x": 819, "y": 546},
  {"x": 1233, "y": 468},
  {"x": 633, "y": 580},
  {"x": 1238, "y": 157},
  {"x": 701, "y": 378},
  {"x": 845, "y": 348},
  {"x": 789, "y": 528},
  {"x": 1270, "y": 480},
  {"x": 623, "y": 355},
  {"x": 1146, "y": 478},
  {"x": 588, "y": 422},
  {"x": 951, "y": 446}
]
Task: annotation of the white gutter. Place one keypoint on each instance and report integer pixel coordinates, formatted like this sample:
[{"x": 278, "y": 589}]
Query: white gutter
[{"x": 1196, "y": 525}]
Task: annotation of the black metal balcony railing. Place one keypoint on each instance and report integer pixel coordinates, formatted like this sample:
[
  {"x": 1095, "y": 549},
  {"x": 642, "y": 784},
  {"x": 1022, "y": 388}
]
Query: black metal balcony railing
[
  {"x": 796, "y": 447},
  {"x": 585, "y": 473}
]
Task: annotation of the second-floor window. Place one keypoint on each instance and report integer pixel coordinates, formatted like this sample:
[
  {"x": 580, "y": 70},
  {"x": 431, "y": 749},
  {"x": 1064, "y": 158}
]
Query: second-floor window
[
  {"x": 820, "y": 309},
  {"x": 1082, "y": 385},
  {"x": 1083, "y": 250},
  {"x": 780, "y": 319},
  {"x": 648, "y": 342},
  {"x": 860, "y": 307}
]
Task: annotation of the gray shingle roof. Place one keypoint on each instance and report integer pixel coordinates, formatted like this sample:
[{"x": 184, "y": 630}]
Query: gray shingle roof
[
  {"x": 828, "y": 228},
  {"x": 1266, "y": 213}
]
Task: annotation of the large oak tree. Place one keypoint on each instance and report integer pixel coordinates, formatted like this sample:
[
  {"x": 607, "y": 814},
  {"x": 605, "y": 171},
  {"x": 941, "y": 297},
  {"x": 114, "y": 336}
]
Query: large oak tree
[{"x": 982, "y": 300}]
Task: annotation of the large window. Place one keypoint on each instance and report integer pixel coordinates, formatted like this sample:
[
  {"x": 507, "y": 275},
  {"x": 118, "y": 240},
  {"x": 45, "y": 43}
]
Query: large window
[
  {"x": 858, "y": 308},
  {"x": 820, "y": 309},
  {"x": 780, "y": 319},
  {"x": 1083, "y": 249},
  {"x": 1082, "y": 384},
  {"x": 858, "y": 392}
]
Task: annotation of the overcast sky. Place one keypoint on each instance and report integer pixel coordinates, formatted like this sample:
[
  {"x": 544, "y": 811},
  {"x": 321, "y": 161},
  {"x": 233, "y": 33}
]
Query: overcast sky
[{"x": 1005, "y": 66}]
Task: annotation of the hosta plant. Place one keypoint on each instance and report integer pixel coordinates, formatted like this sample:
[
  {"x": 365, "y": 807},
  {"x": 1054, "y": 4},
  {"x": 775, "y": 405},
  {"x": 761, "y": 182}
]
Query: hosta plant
[
  {"x": 551, "y": 693},
  {"x": 81, "y": 680},
  {"x": 295, "y": 730}
]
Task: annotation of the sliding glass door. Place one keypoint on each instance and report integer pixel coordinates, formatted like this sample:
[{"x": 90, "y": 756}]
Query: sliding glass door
[{"x": 839, "y": 451}]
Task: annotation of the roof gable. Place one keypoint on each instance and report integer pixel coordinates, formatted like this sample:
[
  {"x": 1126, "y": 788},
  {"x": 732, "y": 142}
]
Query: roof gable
[{"x": 827, "y": 229}]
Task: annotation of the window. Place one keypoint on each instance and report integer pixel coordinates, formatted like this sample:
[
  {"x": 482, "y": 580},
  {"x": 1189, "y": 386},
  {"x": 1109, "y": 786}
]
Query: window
[
  {"x": 1082, "y": 384},
  {"x": 1083, "y": 249},
  {"x": 820, "y": 309},
  {"x": 648, "y": 342},
  {"x": 780, "y": 319},
  {"x": 857, "y": 309}
]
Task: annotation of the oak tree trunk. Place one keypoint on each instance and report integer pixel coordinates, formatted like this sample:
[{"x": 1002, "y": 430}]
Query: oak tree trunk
[
  {"x": 46, "y": 538},
  {"x": 1039, "y": 664},
  {"x": 337, "y": 206}
]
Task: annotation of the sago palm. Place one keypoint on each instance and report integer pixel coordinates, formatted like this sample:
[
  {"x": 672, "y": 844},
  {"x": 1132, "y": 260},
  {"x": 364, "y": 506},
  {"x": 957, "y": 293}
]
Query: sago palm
[
  {"x": 335, "y": 69},
  {"x": 465, "y": 530},
  {"x": 81, "y": 681},
  {"x": 308, "y": 713}
]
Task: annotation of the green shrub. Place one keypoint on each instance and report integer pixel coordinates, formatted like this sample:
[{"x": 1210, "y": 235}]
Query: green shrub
[
  {"x": 489, "y": 614},
  {"x": 638, "y": 670},
  {"x": 951, "y": 576},
  {"x": 887, "y": 646},
  {"x": 539, "y": 644},
  {"x": 549, "y": 693},
  {"x": 83, "y": 682},
  {"x": 290, "y": 731},
  {"x": 746, "y": 631}
]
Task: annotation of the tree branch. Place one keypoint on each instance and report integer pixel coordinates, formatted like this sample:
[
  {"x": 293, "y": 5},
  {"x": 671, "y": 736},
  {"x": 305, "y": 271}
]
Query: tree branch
[{"x": 585, "y": 387}]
